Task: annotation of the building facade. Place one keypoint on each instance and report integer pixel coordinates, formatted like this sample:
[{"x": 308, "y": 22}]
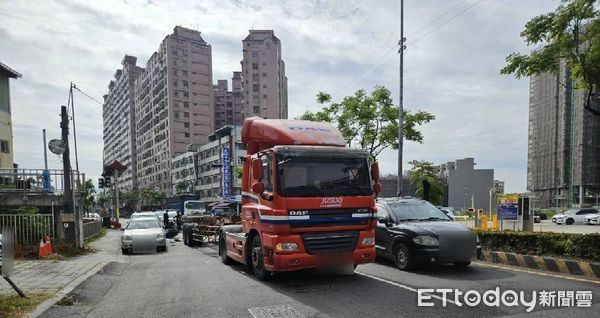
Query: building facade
[
  {"x": 468, "y": 187},
  {"x": 173, "y": 104},
  {"x": 563, "y": 162},
  {"x": 224, "y": 145},
  {"x": 183, "y": 172},
  {"x": 228, "y": 103},
  {"x": 263, "y": 73},
  {"x": 6, "y": 133},
  {"x": 118, "y": 117}
]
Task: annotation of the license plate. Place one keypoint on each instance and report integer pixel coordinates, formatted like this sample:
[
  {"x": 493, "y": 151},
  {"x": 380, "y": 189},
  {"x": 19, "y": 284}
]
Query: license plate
[{"x": 334, "y": 260}]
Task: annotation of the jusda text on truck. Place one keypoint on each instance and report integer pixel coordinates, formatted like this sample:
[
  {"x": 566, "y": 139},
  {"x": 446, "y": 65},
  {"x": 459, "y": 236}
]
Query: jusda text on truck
[{"x": 308, "y": 201}]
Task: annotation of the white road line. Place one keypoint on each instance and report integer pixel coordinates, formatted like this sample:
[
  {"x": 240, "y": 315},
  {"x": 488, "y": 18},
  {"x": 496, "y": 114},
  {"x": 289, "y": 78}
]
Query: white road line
[{"x": 412, "y": 289}]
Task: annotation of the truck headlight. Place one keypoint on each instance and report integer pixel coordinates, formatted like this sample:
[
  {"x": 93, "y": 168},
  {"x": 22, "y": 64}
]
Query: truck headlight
[
  {"x": 368, "y": 241},
  {"x": 286, "y": 247},
  {"x": 426, "y": 240}
]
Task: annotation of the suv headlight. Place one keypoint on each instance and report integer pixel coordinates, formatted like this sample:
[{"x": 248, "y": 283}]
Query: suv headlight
[
  {"x": 126, "y": 237},
  {"x": 160, "y": 235},
  {"x": 426, "y": 240}
]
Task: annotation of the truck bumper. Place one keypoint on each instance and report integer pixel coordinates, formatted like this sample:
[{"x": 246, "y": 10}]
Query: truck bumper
[{"x": 293, "y": 261}]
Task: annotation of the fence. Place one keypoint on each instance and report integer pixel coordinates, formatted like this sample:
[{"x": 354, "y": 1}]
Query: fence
[
  {"x": 91, "y": 228},
  {"x": 35, "y": 180},
  {"x": 29, "y": 228}
]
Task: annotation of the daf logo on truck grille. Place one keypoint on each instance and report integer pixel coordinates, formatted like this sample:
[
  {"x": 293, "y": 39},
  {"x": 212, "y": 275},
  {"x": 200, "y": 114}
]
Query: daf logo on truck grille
[{"x": 298, "y": 212}]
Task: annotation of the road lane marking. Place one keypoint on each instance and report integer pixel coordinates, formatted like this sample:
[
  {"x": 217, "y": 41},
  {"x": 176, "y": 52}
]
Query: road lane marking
[
  {"x": 537, "y": 273},
  {"x": 412, "y": 289}
]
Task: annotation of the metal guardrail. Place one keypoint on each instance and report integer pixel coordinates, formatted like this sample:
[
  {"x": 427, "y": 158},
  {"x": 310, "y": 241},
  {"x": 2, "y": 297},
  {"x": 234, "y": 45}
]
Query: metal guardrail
[
  {"x": 35, "y": 180},
  {"x": 29, "y": 228},
  {"x": 91, "y": 228}
]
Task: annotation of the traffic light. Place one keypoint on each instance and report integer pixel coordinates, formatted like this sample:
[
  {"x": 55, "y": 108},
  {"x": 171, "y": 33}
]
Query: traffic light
[
  {"x": 107, "y": 182},
  {"x": 101, "y": 183}
]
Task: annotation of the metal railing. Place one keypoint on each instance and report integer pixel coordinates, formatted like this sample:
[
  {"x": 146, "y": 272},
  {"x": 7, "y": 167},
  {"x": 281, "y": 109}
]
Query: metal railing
[
  {"x": 29, "y": 228},
  {"x": 36, "y": 180},
  {"x": 91, "y": 228}
]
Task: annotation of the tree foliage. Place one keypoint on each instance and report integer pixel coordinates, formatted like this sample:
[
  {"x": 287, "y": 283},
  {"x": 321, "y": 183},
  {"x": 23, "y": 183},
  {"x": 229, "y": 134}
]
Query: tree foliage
[
  {"x": 369, "y": 121},
  {"x": 423, "y": 171},
  {"x": 183, "y": 187},
  {"x": 88, "y": 195},
  {"x": 152, "y": 198},
  {"x": 572, "y": 34}
]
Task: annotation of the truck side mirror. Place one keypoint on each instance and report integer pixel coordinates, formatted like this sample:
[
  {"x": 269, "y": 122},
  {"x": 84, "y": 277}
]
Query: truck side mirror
[
  {"x": 377, "y": 187},
  {"x": 258, "y": 187},
  {"x": 257, "y": 169},
  {"x": 375, "y": 171}
]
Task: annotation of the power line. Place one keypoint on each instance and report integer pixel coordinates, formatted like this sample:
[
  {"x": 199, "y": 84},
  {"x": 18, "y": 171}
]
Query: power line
[
  {"x": 86, "y": 95},
  {"x": 446, "y": 22},
  {"x": 430, "y": 23}
]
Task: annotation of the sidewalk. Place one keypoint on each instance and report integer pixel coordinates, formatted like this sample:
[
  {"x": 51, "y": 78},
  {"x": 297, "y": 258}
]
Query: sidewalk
[{"x": 51, "y": 276}]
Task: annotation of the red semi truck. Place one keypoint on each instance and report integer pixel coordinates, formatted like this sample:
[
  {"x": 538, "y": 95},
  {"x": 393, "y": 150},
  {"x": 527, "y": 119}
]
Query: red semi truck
[{"x": 308, "y": 201}]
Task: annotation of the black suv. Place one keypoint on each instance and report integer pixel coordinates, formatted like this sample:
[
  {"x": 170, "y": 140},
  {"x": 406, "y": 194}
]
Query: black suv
[{"x": 411, "y": 231}]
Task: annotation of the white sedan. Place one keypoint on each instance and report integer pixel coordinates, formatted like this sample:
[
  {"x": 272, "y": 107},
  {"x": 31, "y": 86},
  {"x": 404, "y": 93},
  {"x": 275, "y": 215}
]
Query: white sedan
[
  {"x": 143, "y": 235},
  {"x": 574, "y": 216}
]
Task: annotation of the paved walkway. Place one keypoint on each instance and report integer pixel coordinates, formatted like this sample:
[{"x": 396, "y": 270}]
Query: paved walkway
[{"x": 51, "y": 276}]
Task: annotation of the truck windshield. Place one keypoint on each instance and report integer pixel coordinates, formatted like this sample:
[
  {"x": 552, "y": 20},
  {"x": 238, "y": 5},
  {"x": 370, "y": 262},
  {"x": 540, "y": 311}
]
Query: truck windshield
[
  {"x": 194, "y": 205},
  {"x": 310, "y": 176}
]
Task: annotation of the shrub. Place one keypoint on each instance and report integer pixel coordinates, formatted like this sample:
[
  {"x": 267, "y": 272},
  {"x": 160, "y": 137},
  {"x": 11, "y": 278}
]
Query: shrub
[{"x": 581, "y": 246}]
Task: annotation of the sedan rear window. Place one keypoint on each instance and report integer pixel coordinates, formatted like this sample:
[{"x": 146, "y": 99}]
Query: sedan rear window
[{"x": 143, "y": 224}]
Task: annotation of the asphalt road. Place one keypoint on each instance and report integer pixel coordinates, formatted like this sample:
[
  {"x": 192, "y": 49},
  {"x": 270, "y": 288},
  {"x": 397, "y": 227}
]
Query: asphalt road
[{"x": 192, "y": 282}]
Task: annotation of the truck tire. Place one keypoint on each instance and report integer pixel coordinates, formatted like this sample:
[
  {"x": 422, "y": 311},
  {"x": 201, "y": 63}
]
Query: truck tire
[
  {"x": 190, "y": 237},
  {"x": 257, "y": 259},
  {"x": 184, "y": 234},
  {"x": 223, "y": 249}
]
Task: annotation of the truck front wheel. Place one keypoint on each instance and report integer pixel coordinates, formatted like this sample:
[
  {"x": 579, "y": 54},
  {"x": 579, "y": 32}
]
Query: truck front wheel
[{"x": 258, "y": 260}]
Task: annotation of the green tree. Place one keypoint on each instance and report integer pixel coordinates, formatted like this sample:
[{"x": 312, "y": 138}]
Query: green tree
[
  {"x": 88, "y": 195},
  {"x": 423, "y": 171},
  {"x": 369, "y": 121},
  {"x": 153, "y": 198},
  {"x": 130, "y": 198},
  {"x": 182, "y": 187},
  {"x": 238, "y": 172},
  {"x": 572, "y": 34}
]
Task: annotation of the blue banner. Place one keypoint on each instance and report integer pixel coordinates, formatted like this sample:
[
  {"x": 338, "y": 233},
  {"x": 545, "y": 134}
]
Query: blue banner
[
  {"x": 226, "y": 173},
  {"x": 507, "y": 212}
]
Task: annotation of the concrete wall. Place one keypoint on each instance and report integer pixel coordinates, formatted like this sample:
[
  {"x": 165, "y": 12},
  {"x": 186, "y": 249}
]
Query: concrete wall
[{"x": 465, "y": 183}]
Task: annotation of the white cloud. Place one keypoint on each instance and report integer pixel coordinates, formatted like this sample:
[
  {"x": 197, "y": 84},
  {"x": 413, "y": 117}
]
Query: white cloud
[{"x": 332, "y": 46}]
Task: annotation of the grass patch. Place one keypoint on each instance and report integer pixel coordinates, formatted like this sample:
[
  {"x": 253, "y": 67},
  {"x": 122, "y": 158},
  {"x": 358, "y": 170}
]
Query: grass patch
[
  {"x": 13, "y": 305},
  {"x": 66, "y": 301}
]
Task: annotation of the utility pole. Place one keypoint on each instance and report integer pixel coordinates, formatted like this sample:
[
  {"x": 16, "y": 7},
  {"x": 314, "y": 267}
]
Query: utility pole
[
  {"x": 67, "y": 195},
  {"x": 400, "y": 105}
]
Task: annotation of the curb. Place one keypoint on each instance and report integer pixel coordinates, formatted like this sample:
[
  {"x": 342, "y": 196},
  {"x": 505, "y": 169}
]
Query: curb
[
  {"x": 41, "y": 308},
  {"x": 544, "y": 263}
]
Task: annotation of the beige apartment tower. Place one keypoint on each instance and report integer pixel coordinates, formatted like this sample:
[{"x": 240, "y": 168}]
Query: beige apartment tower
[
  {"x": 118, "y": 117},
  {"x": 173, "y": 105},
  {"x": 228, "y": 103},
  {"x": 263, "y": 72}
]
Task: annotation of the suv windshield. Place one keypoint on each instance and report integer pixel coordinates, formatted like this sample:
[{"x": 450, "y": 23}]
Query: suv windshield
[
  {"x": 418, "y": 210},
  {"x": 309, "y": 176}
]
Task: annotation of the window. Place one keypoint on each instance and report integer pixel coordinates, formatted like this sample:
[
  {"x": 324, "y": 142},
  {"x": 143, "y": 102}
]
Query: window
[
  {"x": 255, "y": 88},
  {"x": 255, "y": 77},
  {"x": 4, "y": 146},
  {"x": 264, "y": 74},
  {"x": 254, "y": 54},
  {"x": 256, "y": 109},
  {"x": 186, "y": 125},
  {"x": 264, "y": 96},
  {"x": 255, "y": 66},
  {"x": 267, "y": 169},
  {"x": 187, "y": 135}
]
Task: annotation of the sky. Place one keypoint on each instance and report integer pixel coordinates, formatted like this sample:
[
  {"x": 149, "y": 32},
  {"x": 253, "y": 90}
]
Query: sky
[{"x": 455, "y": 50}]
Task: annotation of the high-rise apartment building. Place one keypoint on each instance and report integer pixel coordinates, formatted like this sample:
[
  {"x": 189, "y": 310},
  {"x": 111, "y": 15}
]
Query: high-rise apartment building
[
  {"x": 263, "y": 73},
  {"x": 563, "y": 164},
  {"x": 118, "y": 116},
  {"x": 6, "y": 132},
  {"x": 173, "y": 104},
  {"x": 228, "y": 104}
]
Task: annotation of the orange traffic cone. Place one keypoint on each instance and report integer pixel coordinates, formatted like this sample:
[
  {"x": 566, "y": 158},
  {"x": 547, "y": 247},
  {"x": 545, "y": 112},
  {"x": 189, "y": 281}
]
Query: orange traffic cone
[
  {"x": 42, "y": 251},
  {"x": 48, "y": 245}
]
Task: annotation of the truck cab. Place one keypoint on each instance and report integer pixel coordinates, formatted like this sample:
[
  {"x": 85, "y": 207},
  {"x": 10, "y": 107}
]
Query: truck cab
[{"x": 307, "y": 200}]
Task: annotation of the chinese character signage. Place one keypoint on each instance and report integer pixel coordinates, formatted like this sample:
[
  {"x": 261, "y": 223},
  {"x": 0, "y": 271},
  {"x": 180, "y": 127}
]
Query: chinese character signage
[{"x": 226, "y": 173}]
